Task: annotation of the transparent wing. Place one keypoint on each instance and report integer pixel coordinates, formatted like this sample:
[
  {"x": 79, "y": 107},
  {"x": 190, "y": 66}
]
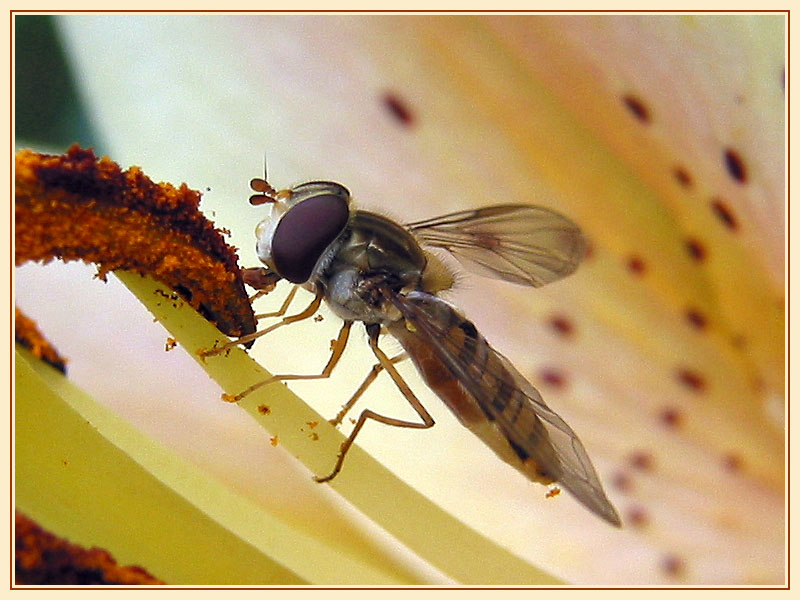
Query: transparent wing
[
  {"x": 503, "y": 394},
  {"x": 527, "y": 245}
]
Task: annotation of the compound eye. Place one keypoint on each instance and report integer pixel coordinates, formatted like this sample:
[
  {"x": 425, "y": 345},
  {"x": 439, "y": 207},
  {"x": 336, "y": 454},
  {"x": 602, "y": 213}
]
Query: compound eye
[{"x": 305, "y": 232}]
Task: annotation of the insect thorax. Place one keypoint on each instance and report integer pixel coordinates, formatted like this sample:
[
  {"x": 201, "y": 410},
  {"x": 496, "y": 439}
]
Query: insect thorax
[{"x": 374, "y": 255}]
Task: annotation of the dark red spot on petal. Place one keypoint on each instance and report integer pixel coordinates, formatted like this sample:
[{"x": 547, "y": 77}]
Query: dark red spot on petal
[
  {"x": 725, "y": 214},
  {"x": 636, "y": 265},
  {"x": 673, "y": 565},
  {"x": 561, "y": 325},
  {"x": 735, "y": 166},
  {"x": 695, "y": 318},
  {"x": 696, "y": 250},
  {"x": 637, "y": 517},
  {"x": 671, "y": 417},
  {"x": 732, "y": 462},
  {"x": 622, "y": 482},
  {"x": 637, "y": 108},
  {"x": 642, "y": 461},
  {"x": 682, "y": 176},
  {"x": 691, "y": 379},
  {"x": 739, "y": 342},
  {"x": 398, "y": 108},
  {"x": 553, "y": 377}
]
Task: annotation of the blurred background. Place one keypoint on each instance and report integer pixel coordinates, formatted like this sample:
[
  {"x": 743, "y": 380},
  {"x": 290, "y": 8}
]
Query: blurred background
[{"x": 662, "y": 136}]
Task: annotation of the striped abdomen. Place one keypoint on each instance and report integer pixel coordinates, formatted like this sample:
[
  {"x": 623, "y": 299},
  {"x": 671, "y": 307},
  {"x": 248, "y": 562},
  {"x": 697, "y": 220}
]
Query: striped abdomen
[{"x": 477, "y": 383}]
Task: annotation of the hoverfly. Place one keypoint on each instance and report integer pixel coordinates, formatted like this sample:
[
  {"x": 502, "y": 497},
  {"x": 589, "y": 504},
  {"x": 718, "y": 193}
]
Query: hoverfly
[{"x": 369, "y": 268}]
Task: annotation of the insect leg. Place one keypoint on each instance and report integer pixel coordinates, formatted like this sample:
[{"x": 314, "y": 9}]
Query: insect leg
[
  {"x": 309, "y": 311},
  {"x": 386, "y": 363},
  {"x": 284, "y": 307},
  {"x": 336, "y": 353},
  {"x": 373, "y": 374}
]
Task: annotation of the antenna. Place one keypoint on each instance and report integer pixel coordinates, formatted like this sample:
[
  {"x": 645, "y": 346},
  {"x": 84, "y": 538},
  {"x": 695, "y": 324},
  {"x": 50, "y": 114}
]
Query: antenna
[{"x": 266, "y": 193}]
